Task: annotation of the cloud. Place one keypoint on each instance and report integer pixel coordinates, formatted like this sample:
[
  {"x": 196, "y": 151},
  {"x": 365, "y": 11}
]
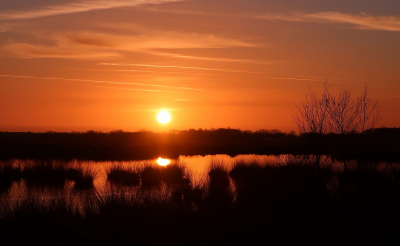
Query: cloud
[
  {"x": 217, "y": 59},
  {"x": 361, "y": 21},
  {"x": 87, "y": 45},
  {"x": 179, "y": 67},
  {"x": 45, "y": 51},
  {"x": 130, "y": 89},
  {"x": 318, "y": 79},
  {"x": 299, "y": 79},
  {"x": 150, "y": 39},
  {"x": 77, "y": 7}
]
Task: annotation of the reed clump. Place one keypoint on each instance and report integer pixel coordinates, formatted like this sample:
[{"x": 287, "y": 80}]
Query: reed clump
[
  {"x": 123, "y": 176},
  {"x": 172, "y": 175},
  {"x": 84, "y": 181},
  {"x": 45, "y": 174},
  {"x": 5, "y": 183}
]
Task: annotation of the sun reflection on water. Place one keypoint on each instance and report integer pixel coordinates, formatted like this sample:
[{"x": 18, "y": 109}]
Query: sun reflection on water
[{"x": 163, "y": 162}]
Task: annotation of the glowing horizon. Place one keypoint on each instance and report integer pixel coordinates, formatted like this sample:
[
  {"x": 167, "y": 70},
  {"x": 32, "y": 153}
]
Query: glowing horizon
[{"x": 98, "y": 65}]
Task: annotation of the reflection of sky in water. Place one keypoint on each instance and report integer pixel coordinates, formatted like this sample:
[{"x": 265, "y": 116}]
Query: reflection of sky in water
[
  {"x": 199, "y": 166},
  {"x": 196, "y": 169},
  {"x": 163, "y": 162}
]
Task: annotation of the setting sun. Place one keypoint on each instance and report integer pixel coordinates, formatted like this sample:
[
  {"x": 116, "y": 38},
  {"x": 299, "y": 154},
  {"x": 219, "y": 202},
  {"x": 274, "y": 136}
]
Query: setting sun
[{"x": 163, "y": 117}]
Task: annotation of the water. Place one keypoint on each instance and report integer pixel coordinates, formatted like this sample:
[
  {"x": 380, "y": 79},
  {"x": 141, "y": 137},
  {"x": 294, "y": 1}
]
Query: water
[{"x": 195, "y": 168}]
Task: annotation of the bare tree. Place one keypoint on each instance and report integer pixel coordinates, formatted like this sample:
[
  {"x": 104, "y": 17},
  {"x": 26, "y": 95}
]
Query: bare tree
[
  {"x": 370, "y": 111},
  {"x": 344, "y": 113},
  {"x": 341, "y": 115},
  {"x": 313, "y": 112}
]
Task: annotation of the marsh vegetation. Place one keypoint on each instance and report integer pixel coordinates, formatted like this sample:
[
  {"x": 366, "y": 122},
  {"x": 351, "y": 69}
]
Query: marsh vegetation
[{"x": 278, "y": 200}]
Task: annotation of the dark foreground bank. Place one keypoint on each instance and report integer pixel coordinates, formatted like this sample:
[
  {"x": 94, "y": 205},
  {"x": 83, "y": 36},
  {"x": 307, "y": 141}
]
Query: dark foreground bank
[{"x": 296, "y": 204}]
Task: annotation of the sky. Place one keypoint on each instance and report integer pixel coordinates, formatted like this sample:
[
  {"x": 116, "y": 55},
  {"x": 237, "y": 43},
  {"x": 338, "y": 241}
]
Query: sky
[{"x": 69, "y": 65}]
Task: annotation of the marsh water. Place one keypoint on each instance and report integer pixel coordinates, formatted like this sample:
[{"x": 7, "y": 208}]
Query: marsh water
[{"x": 195, "y": 170}]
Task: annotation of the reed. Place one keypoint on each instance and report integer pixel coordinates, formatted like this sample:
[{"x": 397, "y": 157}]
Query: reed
[{"x": 123, "y": 176}]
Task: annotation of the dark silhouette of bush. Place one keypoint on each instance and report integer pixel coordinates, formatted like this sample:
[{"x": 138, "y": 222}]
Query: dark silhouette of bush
[
  {"x": 8, "y": 175},
  {"x": 73, "y": 174},
  {"x": 5, "y": 183},
  {"x": 151, "y": 177},
  {"x": 121, "y": 176},
  {"x": 219, "y": 179},
  {"x": 243, "y": 173},
  {"x": 84, "y": 182},
  {"x": 219, "y": 196},
  {"x": 44, "y": 174},
  {"x": 174, "y": 175}
]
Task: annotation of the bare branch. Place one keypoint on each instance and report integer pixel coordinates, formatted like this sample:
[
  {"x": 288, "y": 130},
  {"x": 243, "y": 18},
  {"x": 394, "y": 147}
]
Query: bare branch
[
  {"x": 312, "y": 113},
  {"x": 341, "y": 115}
]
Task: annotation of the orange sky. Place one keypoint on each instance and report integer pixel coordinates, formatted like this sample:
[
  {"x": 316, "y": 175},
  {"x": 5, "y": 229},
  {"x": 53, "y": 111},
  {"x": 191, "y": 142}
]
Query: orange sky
[{"x": 71, "y": 65}]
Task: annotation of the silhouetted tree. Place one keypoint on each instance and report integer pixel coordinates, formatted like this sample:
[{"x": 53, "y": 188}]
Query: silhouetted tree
[
  {"x": 349, "y": 115},
  {"x": 341, "y": 115},
  {"x": 313, "y": 112},
  {"x": 371, "y": 112},
  {"x": 313, "y": 118}
]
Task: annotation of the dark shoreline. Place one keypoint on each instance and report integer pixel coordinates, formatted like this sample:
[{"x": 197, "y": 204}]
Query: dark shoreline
[{"x": 382, "y": 144}]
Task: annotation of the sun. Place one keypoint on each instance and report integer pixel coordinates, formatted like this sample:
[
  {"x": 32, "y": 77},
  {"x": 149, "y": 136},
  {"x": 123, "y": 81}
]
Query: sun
[{"x": 163, "y": 117}]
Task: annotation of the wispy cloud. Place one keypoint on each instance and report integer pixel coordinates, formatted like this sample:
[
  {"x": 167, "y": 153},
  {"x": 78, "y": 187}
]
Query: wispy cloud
[
  {"x": 299, "y": 79},
  {"x": 318, "y": 79},
  {"x": 77, "y": 7},
  {"x": 360, "y": 21},
  {"x": 179, "y": 67},
  {"x": 82, "y": 45},
  {"x": 101, "y": 82},
  {"x": 59, "y": 51},
  {"x": 130, "y": 89},
  {"x": 217, "y": 59},
  {"x": 181, "y": 11},
  {"x": 150, "y": 39}
]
